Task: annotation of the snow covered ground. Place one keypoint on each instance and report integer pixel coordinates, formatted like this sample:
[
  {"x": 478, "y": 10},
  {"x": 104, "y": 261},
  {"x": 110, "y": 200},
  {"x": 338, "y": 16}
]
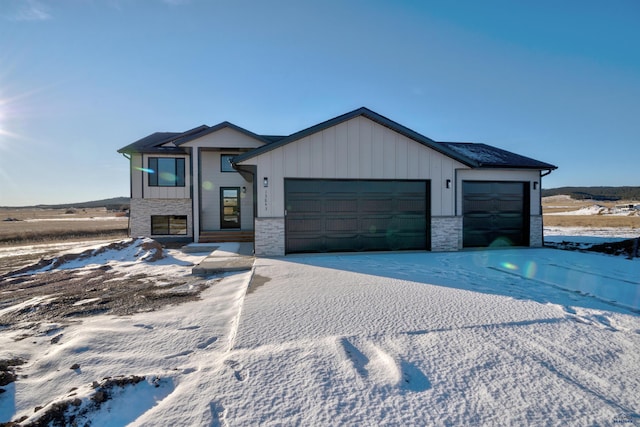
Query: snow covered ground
[{"x": 500, "y": 337}]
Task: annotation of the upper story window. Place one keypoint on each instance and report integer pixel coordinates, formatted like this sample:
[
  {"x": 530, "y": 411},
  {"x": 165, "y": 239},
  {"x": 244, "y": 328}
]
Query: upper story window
[
  {"x": 225, "y": 162},
  {"x": 167, "y": 172}
]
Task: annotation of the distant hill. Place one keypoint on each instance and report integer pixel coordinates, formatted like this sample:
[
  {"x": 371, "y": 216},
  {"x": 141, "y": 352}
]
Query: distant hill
[
  {"x": 115, "y": 203},
  {"x": 596, "y": 193}
]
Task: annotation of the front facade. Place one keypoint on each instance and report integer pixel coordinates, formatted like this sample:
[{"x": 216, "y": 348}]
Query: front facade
[{"x": 357, "y": 182}]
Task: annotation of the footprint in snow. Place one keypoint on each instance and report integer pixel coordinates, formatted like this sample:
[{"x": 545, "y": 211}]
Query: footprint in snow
[
  {"x": 140, "y": 325},
  {"x": 218, "y": 414},
  {"x": 207, "y": 343},
  {"x": 413, "y": 378},
  {"x": 182, "y": 353},
  {"x": 357, "y": 358},
  {"x": 238, "y": 370}
]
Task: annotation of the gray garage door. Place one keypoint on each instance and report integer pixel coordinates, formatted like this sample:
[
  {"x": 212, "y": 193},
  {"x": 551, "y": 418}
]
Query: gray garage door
[
  {"x": 495, "y": 213},
  {"x": 356, "y": 215}
]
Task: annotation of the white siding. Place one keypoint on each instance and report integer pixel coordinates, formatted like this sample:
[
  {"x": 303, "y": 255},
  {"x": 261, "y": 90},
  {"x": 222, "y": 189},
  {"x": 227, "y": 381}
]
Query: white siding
[
  {"x": 358, "y": 148},
  {"x": 136, "y": 176},
  {"x": 212, "y": 180}
]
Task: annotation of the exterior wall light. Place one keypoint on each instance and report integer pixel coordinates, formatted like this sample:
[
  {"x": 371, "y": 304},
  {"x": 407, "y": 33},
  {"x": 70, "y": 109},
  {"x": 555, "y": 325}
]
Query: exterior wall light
[
  {"x": 535, "y": 185},
  {"x": 265, "y": 182},
  {"x": 244, "y": 190},
  {"x": 447, "y": 183}
]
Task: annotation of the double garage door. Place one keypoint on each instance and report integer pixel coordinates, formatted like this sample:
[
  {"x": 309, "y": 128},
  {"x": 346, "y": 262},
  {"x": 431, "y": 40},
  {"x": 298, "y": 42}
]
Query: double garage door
[
  {"x": 329, "y": 215},
  {"x": 495, "y": 213}
]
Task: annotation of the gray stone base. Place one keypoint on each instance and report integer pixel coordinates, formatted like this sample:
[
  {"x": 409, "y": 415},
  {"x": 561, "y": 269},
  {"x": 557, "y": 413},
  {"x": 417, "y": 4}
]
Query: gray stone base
[
  {"x": 446, "y": 233},
  {"x": 142, "y": 209},
  {"x": 535, "y": 231},
  {"x": 269, "y": 236}
]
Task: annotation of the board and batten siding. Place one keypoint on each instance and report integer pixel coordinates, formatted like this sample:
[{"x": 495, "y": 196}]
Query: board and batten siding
[
  {"x": 152, "y": 192},
  {"x": 212, "y": 180},
  {"x": 136, "y": 176},
  {"x": 356, "y": 149}
]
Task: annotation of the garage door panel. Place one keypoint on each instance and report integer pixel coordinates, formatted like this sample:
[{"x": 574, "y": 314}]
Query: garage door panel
[
  {"x": 304, "y": 204},
  {"x": 305, "y": 225},
  {"x": 356, "y": 215},
  {"x": 375, "y": 205},
  {"x": 341, "y": 224},
  {"x": 340, "y": 205},
  {"x": 495, "y": 213}
]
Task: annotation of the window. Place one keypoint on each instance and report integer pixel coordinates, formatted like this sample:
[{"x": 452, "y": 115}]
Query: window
[
  {"x": 166, "y": 172},
  {"x": 225, "y": 162},
  {"x": 169, "y": 224}
]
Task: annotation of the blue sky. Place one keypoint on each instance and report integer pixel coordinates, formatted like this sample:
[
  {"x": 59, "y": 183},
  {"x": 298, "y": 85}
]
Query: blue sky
[{"x": 558, "y": 81}]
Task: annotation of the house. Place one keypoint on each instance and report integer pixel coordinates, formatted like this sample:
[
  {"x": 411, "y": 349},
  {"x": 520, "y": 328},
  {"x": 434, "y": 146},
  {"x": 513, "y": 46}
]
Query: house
[{"x": 357, "y": 182}]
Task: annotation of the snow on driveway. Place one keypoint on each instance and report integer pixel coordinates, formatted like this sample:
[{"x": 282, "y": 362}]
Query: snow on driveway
[
  {"x": 502, "y": 337},
  {"x": 470, "y": 338}
]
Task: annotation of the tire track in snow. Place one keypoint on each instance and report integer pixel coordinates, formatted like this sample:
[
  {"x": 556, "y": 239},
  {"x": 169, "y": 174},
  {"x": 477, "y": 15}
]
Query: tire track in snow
[{"x": 378, "y": 366}]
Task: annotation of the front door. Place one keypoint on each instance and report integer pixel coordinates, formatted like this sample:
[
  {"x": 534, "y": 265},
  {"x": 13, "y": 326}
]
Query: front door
[{"x": 230, "y": 207}]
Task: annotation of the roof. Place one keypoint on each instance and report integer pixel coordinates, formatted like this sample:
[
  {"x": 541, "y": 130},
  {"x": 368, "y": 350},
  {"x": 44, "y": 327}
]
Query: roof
[
  {"x": 486, "y": 156},
  {"x": 219, "y": 126},
  {"x": 363, "y": 111},
  {"x": 470, "y": 154},
  {"x": 155, "y": 143}
]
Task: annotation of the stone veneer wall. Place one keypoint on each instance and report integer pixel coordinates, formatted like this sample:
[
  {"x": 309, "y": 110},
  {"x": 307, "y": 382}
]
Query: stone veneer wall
[
  {"x": 269, "y": 237},
  {"x": 535, "y": 231},
  {"x": 446, "y": 233},
  {"x": 142, "y": 209}
]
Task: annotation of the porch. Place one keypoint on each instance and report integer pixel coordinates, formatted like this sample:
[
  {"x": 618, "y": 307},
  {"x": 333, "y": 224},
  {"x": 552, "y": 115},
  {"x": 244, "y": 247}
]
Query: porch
[{"x": 224, "y": 236}]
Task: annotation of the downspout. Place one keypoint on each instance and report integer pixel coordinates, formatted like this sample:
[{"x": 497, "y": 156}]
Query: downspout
[
  {"x": 126, "y": 156},
  {"x": 540, "y": 200}
]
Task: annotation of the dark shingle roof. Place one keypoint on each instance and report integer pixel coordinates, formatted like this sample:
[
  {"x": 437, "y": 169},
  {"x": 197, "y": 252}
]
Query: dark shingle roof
[
  {"x": 486, "y": 156},
  {"x": 471, "y": 154},
  {"x": 148, "y": 142},
  {"x": 154, "y": 142},
  {"x": 219, "y": 126}
]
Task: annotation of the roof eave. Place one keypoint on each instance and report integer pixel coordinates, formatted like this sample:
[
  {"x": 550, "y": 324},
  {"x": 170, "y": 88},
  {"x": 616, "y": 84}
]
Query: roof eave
[
  {"x": 218, "y": 127},
  {"x": 371, "y": 115}
]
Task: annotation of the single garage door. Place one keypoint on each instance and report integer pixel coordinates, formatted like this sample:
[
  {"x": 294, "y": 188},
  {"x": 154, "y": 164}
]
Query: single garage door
[
  {"x": 495, "y": 213},
  {"x": 329, "y": 215}
]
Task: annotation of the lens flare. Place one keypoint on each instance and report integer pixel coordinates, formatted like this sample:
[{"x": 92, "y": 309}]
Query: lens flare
[
  {"x": 509, "y": 266},
  {"x": 530, "y": 270},
  {"x": 147, "y": 170}
]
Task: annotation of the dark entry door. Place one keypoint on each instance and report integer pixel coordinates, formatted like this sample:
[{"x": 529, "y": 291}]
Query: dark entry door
[
  {"x": 325, "y": 215},
  {"x": 230, "y": 207},
  {"x": 495, "y": 213}
]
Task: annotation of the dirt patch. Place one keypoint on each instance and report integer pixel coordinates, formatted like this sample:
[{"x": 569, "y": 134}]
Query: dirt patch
[
  {"x": 8, "y": 371},
  {"x": 72, "y": 410},
  {"x": 65, "y": 294},
  {"x": 629, "y": 248}
]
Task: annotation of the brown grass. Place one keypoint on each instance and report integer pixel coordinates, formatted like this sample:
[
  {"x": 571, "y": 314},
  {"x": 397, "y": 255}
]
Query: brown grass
[
  {"x": 596, "y": 221},
  {"x": 55, "y": 225},
  {"x": 557, "y": 204}
]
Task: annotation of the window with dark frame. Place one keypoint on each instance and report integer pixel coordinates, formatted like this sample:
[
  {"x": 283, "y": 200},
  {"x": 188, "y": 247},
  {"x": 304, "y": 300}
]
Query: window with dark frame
[
  {"x": 225, "y": 162},
  {"x": 167, "y": 172},
  {"x": 169, "y": 225}
]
